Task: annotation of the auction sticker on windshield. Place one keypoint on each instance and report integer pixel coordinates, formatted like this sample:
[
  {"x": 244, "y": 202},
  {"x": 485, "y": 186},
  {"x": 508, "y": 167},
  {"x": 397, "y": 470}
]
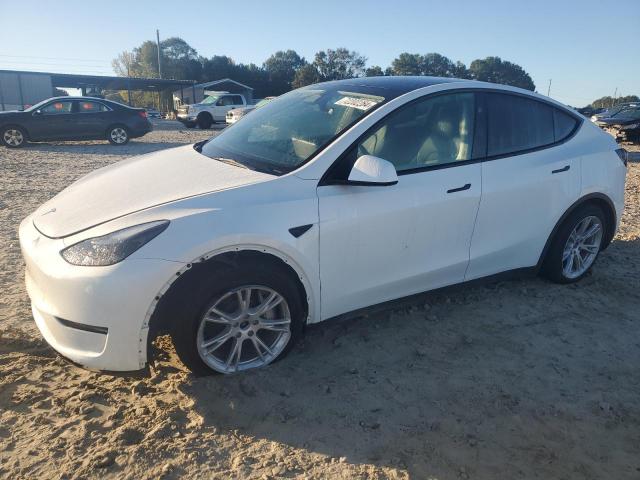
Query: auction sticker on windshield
[{"x": 357, "y": 102}]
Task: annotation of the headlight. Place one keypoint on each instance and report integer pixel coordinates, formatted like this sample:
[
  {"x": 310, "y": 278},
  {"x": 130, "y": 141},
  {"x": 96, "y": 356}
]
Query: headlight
[{"x": 113, "y": 247}]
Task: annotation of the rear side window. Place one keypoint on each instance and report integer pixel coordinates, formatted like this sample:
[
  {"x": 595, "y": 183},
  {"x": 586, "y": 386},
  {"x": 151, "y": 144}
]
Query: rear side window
[
  {"x": 91, "y": 107},
  {"x": 563, "y": 124},
  {"x": 237, "y": 100},
  {"x": 517, "y": 123}
]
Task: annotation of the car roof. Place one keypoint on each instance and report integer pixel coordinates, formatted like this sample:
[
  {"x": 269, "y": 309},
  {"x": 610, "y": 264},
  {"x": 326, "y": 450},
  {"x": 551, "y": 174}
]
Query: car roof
[{"x": 393, "y": 86}]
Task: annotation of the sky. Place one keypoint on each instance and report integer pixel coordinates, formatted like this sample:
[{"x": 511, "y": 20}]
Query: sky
[{"x": 587, "y": 48}]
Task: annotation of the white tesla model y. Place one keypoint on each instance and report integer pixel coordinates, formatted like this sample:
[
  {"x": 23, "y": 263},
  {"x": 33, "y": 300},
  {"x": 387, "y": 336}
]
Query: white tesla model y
[{"x": 330, "y": 198}]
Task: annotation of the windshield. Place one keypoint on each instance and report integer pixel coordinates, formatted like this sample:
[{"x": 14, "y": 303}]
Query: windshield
[
  {"x": 287, "y": 131},
  {"x": 37, "y": 105},
  {"x": 210, "y": 99}
]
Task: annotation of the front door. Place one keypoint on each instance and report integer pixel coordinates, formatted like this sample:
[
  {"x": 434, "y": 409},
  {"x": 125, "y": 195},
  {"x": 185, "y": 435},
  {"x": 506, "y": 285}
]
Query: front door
[
  {"x": 52, "y": 121},
  {"x": 378, "y": 243}
]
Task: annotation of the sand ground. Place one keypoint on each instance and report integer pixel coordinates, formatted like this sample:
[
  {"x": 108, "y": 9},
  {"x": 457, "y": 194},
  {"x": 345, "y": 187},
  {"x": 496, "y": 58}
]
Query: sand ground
[{"x": 515, "y": 379}]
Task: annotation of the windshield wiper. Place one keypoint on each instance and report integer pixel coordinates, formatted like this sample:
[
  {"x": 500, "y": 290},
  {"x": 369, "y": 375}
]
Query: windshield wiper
[{"x": 232, "y": 162}]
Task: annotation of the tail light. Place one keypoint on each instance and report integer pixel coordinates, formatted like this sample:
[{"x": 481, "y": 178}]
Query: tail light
[
  {"x": 624, "y": 155},
  {"x": 143, "y": 114}
]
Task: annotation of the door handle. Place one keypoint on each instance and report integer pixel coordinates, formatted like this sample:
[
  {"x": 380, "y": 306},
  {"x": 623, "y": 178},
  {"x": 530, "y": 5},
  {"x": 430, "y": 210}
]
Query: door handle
[
  {"x": 460, "y": 189},
  {"x": 560, "y": 170}
]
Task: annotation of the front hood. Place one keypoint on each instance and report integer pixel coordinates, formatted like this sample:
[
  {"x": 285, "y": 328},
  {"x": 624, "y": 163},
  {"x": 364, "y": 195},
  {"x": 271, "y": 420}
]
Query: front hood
[{"x": 136, "y": 184}]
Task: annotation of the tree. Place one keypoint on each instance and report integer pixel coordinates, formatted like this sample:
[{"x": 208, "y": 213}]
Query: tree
[
  {"x": 339, "y": 64},
  {"x": 407, "y": 64},
  {"x": 374, "y": 71},
  {"x": 305, "y": 75},
  {"x": 432, "y": 64},
  {"x": 496, "y": 70},
  {"x": 608, "y": 102},
  {"x": 281, "y": 68}
]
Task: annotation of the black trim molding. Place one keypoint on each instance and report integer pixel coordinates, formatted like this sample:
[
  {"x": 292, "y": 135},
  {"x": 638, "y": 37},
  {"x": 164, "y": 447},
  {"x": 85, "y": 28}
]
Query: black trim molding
[{"x": 82, "y": 326}]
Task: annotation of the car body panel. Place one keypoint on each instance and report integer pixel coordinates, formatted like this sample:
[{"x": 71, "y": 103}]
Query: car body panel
[
  {"x": 381, "y": 243},
  {"x": 136, "y": 184}
]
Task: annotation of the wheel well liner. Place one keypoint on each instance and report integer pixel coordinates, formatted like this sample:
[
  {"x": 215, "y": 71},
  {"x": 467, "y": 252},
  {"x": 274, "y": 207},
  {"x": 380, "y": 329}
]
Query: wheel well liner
[
  {"x": 598, "y": 199},
  {"x": 169, "y": 303}
]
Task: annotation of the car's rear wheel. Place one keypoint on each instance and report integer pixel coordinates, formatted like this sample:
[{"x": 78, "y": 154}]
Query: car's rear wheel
[
  {"x": 118, "y": 135},
  {"x": 204, "y": 121},
  {"x": 249, "y": 318},
  {"x": 13, "y": 137},
  {"x": 576, "y": 245}
]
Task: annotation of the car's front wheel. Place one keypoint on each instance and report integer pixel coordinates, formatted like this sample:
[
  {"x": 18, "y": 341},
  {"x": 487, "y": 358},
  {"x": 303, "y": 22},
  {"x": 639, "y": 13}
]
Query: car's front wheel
[
  {"x": 118, "y": 135},
  {"x": 250, "y": 318},
  {"x": 13, "y": 137},
  {"x": 576, "y": 245}
]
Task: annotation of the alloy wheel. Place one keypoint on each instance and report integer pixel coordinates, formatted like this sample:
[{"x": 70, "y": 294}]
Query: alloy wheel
[
  {"x": 118, "y": 135},
  {"x": 13, "y": 137},
  {"x": 582, "y": 247},
  {"x": 247, "y": 327}
]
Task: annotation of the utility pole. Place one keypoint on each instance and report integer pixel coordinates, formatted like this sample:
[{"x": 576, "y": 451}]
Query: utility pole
[
  {"x": 549, "y": 88},
  {"x": 159, "y": 67},
  {"x": 615, "y": 93}
]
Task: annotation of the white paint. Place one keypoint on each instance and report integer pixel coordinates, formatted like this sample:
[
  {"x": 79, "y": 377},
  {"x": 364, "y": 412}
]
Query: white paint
[{"x": 368, "y": 244}]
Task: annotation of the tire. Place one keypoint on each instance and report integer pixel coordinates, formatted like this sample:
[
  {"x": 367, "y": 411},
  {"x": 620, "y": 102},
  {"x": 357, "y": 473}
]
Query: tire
[
  {"x": 225, "y": 284},
  {"x": 118, "y": 135},
  {"x": 562, "y": 250},
  {"x": 204, "y": 121},
  {"x": 13, "y": 136},
  {"x": 190, "y": 125}
]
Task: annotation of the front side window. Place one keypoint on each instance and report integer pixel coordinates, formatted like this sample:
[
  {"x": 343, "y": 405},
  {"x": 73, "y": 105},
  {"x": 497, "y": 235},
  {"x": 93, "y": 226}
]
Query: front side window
[
  {"x": 431, "y": 132},
  {"x": 225, "y": 102},
  {"x": 517, "y": 123},
  {"x": 58, "y": 108},
  {"x": 286, "y": 132}
]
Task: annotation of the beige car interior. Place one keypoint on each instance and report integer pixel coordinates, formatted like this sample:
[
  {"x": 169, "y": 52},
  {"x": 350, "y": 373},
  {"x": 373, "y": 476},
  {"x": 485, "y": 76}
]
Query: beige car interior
[{"x": 431, "y": 132}]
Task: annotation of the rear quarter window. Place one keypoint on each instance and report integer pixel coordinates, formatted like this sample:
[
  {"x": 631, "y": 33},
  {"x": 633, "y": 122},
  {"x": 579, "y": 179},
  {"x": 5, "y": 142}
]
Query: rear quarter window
[{"x": 564, "y": 124}]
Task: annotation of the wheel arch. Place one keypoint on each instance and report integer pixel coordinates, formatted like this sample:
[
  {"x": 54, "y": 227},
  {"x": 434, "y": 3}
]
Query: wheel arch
[
  {"x": 599, "y": 199},
  {"x": 166, "y": 304},
  {"x": 17, "y": 125}
]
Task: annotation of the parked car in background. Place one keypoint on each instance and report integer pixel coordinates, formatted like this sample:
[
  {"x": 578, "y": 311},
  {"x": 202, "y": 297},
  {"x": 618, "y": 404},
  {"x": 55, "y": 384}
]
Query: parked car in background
[
  {"x": 624, "y": 126},
  {"x": 610, "y": 112},
  {"x": 589, "y": 111},
  {"x": 73, "y": 118},
  {"x": 330, "y": 198},
  {"x": 153, "y": 113},
  {"x": 237, "y": 113},
  {"x": 212, "y": 109}
]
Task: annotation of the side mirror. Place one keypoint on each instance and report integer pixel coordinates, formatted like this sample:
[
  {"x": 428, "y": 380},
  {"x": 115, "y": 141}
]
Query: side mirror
[
  {"x": 373, "y": 171},
  {"x": 38, "y": 112}
]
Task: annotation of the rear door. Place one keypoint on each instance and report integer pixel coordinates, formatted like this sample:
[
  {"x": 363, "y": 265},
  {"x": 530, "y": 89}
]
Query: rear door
[
  {"x": 383, "y": 242},
  {"x": 529, "y": 179},
  {"x": 92, "y": 118},
  {"x": 53, "y": 121}
]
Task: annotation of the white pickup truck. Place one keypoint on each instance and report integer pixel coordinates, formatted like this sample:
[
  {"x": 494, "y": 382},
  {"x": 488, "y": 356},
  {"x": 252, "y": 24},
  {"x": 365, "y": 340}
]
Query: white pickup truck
[{"x": 212, "y": 109}]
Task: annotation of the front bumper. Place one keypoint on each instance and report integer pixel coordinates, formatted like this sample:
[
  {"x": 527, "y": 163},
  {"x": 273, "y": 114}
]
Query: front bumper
[
  {"x": 186, "y": 117},
  {"x": 95, "y": 316}
]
